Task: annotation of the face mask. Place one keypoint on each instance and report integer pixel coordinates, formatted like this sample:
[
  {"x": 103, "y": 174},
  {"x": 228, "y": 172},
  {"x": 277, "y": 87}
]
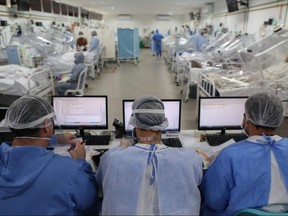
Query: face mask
[
  {"x": 244, "y": 129},
  {"x": 53, "y": 140}
]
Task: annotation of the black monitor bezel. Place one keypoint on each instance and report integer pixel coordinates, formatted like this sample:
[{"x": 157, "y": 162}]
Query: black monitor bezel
[
  {"x": 232, "y": 5},
  {"x": 163, "y": 100},
  {"x": 222, "y": 128},
  {"x": 90, "y": 127}
]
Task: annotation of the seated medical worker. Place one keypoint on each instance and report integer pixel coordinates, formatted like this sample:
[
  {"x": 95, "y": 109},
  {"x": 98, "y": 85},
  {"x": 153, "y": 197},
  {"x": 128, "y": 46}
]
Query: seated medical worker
[
  {"x": 200, "y": 39},
  {"x": 94, "y": 45},
  {"x": 150, "y": 178},
  {"x": 34, "y": 180},
  {"x": 252, "y": 173},
  {"x": 71, "y": 83}
]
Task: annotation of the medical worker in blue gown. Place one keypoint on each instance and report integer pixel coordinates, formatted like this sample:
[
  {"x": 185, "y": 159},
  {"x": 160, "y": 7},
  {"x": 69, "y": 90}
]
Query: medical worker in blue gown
[
  {"x": 61, "y": 87},
  {"x": 94, "y": 45},
  {"x": 200, "y": 39},
  {"x": 150, "y": 178},
  {"x": 35, "y": 180},
  {"x": 157, "y": 39},
  {"x": 252, "y": 173}
]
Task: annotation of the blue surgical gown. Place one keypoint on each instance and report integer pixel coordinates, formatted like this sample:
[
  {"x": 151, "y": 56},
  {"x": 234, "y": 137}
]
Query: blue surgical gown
[
  {"x": 176, "y": 172},
  {"x": 94, "y": 45},
  {"x": 35, "y": 181},
  {"x": 199, "y": 41},
  {"x": 240, "y": 177},
  {"x": 73, "y": 81},
  {"x": 157, "y": 39}
]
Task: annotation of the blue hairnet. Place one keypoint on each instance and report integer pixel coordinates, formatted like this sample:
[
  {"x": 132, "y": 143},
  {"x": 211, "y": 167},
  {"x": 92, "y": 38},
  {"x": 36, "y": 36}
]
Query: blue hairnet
[
  {"x": 264, "y": 109},
  {"x": 79, "y": 57},
  {"x": 148, "y": 114}
]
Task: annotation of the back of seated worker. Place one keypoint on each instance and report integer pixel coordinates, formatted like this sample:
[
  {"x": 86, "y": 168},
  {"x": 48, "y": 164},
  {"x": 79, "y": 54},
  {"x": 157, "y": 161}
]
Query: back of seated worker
[
  {"x": 34, "y": 180},
  {"x": 81, "y": 43},
  {"x": 72, "y": 82},
  {"x": 252, "y": 173},
  {"x": 150, "y": 178}
]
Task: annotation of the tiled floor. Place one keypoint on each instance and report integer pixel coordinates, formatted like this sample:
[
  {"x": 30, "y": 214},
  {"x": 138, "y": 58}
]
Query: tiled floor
[{"x": 150, "y": 77}]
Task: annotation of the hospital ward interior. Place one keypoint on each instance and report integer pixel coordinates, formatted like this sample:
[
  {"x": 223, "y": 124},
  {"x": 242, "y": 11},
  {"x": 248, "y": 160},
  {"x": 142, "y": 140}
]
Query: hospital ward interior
[{"x": 144, "y": 107}]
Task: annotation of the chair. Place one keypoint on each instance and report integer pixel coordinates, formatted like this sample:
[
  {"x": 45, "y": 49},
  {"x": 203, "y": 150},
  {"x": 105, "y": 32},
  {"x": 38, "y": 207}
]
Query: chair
[
  {"x": 250, "y": 212},
  {"x": 80, "y": 84}
]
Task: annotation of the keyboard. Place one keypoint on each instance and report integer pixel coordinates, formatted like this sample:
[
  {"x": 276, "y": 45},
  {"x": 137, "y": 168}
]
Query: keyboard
[
  {"x": 172, "y": 142},
  {"x": 97, "y": 139},
  {"x": 218, "y": 139}
]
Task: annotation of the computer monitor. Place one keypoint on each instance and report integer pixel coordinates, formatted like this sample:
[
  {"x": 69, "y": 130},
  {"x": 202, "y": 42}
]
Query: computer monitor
[
  {"x": 232, "y": 5},
  {"x": 172, "y": 112},
  {"x": 220, "y": 113},
  {"x": 81, "y": 112}
]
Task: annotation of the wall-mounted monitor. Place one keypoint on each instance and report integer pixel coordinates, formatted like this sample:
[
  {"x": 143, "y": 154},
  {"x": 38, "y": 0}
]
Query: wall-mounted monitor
[
  {"x": 38, "y": 24},
  {"x": 191, "y": 16},
  {"x": 232, "y": 5},
  {"x": 3, "y": 23}
]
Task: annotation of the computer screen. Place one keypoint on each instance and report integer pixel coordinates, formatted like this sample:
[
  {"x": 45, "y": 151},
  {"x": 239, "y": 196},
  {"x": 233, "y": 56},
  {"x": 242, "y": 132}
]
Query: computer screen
[
  {"x": 232, "y": 5},
  {"x": 172, "y": 112},
  {"x": 220, "y": 113},
  {"x": 81, "y": 112}
]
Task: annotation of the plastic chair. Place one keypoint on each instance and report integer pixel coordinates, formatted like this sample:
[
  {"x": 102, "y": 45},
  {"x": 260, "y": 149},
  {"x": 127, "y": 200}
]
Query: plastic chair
[
  {"x": 250, "y": 212},
  {"x": 80, "y": 84}
]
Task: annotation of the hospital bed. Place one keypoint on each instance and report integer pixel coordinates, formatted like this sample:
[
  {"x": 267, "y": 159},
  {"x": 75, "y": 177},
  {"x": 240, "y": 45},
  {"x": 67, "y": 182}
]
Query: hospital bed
[{"x": 18, "y": 80}]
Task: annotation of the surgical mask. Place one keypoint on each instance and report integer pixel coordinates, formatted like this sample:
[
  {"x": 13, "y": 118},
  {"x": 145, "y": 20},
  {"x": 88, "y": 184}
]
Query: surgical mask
[
  {"x": 244, "y": 129},
  {"x": 53, "y": 140}
]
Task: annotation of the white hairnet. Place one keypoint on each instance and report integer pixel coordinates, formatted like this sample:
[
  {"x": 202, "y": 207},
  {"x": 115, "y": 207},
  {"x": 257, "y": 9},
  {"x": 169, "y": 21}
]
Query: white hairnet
[
  {"x": 28, "y": 112},
  {"x": 264, "y": 109},
  {"x": 148, "y": 114}
]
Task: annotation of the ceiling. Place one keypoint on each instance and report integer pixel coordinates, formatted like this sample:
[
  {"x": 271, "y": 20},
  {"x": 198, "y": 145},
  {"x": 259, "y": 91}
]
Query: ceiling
[{"x": 171, "y": 7}]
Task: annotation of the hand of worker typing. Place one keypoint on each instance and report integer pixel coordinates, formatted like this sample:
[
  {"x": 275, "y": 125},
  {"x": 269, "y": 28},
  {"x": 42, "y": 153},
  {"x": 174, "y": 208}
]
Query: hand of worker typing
[
  {"x": 65, "y": 138},
  {"x": 78, "y": 151}
]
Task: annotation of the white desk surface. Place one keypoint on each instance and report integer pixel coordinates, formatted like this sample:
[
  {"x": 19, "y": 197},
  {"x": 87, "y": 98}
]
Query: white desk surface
[{"x": 188, "y": 138}]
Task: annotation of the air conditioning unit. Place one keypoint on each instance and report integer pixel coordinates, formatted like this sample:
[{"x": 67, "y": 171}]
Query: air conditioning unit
[
  {"x": 124, "y": 17},
  {"x": 163, "y": 17},
  {"x": 208, "y": 9}
]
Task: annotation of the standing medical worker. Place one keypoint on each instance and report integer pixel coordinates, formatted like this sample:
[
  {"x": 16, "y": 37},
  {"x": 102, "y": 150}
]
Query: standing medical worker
[
  {"x": 157, "y": 39},
  {"x": 35, "y": 180},
  {"x": 200, "y": 39},
  {"x": 81, "y": 43},
  {"x": 95, "y": 43},
  {"x": 150, "y": 178},
  {"x": 252, "y": 173}
]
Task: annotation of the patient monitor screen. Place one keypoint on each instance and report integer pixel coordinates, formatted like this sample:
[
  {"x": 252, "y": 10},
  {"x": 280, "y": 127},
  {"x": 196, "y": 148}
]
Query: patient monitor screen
[
  {"x": 172, "y": 112},
  {"x": 221, "y": 113},
  {"x": 81, "y": 112}
]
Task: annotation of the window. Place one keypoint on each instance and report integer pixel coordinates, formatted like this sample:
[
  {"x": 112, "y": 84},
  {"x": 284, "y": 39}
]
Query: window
[
  {"x": 56, "y": 7},
  {"x": 70, "y": 11},
  {"x": 36, "y": 5},
  {"x": 3, "y": 2},
  {"x": 47, "y": 6},
  {"x": 76, "y": 11},
  {"x": 64, "y": 9}
]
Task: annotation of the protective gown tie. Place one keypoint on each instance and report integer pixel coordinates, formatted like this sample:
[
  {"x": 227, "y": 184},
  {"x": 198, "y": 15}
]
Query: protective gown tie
[{"x": 267, "y": 140}]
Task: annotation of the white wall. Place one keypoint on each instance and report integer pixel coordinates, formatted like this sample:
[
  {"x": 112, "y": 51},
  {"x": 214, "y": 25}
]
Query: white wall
[{"x": 146, "y": 23}]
